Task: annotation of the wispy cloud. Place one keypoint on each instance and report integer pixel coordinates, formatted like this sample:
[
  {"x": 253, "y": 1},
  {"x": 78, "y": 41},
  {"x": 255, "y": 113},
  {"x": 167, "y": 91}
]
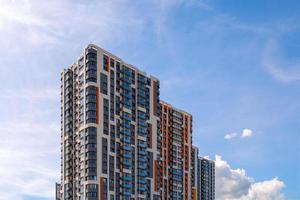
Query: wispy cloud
[
  {"x": 280, "y": 68},
  {"x": 53, "y": 21},
  {"x": 28, "y": 159},
  {"x": 29, "y": 148}
]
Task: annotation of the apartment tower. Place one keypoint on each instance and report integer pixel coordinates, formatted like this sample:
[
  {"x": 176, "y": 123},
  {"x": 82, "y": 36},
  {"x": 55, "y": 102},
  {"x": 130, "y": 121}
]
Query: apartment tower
[
  {"x": 176, "y": 132},
  {"x": 206, "y": 170},
  {"x": 203, "y": 177},
  {"x": 110, "y": 115},
  {"x": 195, "y": 174}
]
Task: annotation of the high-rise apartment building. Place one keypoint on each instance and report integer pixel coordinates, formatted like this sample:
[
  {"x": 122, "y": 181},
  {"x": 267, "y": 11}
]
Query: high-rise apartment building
[
  {"x": 206, "y": 170},
  {"x": 195, "y": 174},
  {"x": 118, "y": 140},
  {"x": 109, "y": 135},
  {"x": 176, "y": 132},
  {"x": 203, "y": 177}
]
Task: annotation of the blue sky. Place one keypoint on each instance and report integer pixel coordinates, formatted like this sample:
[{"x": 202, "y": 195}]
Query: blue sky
[{"x": 234, "y": 65}]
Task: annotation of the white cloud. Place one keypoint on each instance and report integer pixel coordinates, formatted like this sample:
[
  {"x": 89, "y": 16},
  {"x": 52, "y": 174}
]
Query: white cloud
[
  {"x": 246, "y": 133},
  {"x": 230, "y": 183},
  {"x": 230, "y": 136},
  {"x": 266, "y": 190},
  {"x": 235, "y": 184}
]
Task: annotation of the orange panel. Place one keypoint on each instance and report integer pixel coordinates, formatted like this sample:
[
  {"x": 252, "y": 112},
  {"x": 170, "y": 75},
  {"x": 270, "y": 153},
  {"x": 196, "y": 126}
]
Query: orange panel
[
  {"x": 194, "y": 193},
  {"x": 155, "y": 173}
]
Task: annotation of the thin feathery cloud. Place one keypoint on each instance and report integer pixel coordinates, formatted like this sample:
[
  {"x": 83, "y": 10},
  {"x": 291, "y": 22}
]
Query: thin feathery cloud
[
  {"x": 28, "y": 159},
  {"x": 161, "y": 24},
  {"x": 277, "y": 66},
  {"x": 29, "y": 148},
  {"x": 53, "y": 21}
]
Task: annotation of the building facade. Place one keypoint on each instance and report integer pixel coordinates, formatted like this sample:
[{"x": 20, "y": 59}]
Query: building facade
[{"x": 118, "y": 140}]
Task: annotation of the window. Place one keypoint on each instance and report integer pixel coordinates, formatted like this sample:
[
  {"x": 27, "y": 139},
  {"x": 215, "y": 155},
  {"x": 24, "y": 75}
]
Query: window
[
  {"x": 104, "y": 155},
  {"x": 111, "y": 173},
  {"x": 103, "y": 83},
  {"x": 105, "y": 62},
  {"x": 112, "y": 63},
  {"x": 105, "y": 116}
]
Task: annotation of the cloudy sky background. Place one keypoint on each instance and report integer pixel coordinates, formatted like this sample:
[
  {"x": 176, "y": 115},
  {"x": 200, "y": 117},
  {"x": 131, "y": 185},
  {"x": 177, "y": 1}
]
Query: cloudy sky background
[{"x": 233, "y": 64}]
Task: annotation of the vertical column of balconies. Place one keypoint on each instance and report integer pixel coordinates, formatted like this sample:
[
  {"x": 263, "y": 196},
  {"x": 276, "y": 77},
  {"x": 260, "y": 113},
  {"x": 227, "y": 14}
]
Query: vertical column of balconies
[
  {"x": 193, "y": 172},
  {"x": 142, "y": 171},
  {"x": 118, "y": 131},
  {"x": 80, "y": 132},
  {"x": 142, "y": 130},
  {"x": 91, "y": 119},
  {"x": 176, "y": 169},
  {"x": 212, "y": 182},
  {"x": 77, "y": 69},
  {"x": 157, "y": 138},
  {"x": 193, "y": 152},
  {"x": 133, "y": 132},
  {"x": 126, "y": 158},
  {"x": 198, "y": 179},
  {"x": 112, "y": 137},
  {"x": 163, "y": 151},
  {"x": 91, "y": 162},
  {"x": 186, "y": 143},
  {"x": 207, "y": 179},
  {"x": 126, "y": 149},
  {"x": 68, "y": 131}
]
